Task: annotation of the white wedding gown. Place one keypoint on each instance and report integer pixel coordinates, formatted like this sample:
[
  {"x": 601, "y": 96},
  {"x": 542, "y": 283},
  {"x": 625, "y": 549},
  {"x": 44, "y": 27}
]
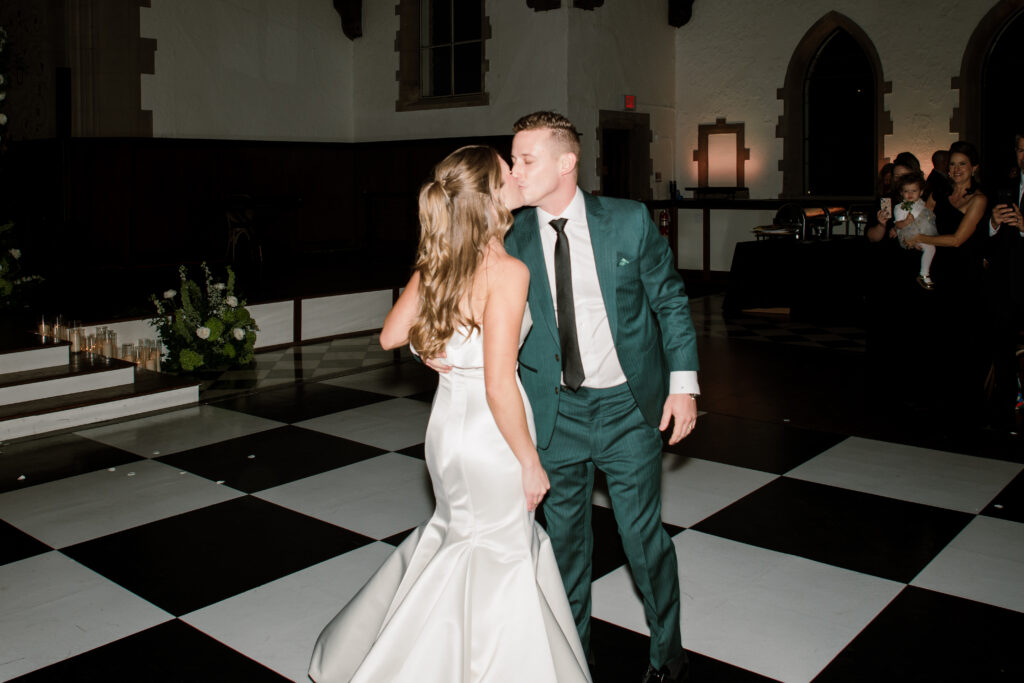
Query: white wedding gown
[{"x": 474, "y": 594}]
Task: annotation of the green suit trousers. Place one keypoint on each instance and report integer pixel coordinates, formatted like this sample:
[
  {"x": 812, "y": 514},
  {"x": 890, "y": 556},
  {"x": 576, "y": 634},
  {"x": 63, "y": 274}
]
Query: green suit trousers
[{"x": 604, "y": 429}]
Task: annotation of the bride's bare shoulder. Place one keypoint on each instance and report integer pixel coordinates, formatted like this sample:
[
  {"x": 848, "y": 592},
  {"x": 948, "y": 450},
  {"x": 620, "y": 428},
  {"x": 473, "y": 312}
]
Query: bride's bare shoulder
[
  {"x": 499, "y": 265},
  {"x": 506, "y": 270}
]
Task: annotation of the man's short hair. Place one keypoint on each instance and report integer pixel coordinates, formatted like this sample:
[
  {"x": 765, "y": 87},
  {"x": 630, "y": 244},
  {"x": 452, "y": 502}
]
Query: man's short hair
[
  {"x": 561, "y": 128},
  {"x": 940, "y": 155}
]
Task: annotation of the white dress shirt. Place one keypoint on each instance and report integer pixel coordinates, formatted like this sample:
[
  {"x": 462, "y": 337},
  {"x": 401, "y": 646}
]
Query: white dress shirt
[{"x": 597, "y": 349}]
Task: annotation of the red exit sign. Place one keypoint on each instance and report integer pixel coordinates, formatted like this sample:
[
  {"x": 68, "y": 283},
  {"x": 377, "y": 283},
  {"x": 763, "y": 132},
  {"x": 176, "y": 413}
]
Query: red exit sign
[{"x": 630, "y": 102}]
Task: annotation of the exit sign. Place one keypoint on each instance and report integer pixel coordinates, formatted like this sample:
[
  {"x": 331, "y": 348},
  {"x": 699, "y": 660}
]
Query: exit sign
[{"x": 630, "y": 102}]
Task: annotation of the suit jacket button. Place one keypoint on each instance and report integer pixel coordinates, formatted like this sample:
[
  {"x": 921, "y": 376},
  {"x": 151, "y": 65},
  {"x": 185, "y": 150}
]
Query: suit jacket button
[
  {"x": 556, "y": 390},
  {"x": 556, "y": 357}
]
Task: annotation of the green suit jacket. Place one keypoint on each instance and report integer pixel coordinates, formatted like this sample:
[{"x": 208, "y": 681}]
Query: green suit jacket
[{"x": 647, "y": 307}]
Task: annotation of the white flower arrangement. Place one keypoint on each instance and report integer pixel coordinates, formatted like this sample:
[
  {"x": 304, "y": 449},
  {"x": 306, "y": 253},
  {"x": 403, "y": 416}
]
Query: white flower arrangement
[{"x": 194, "y": 324}]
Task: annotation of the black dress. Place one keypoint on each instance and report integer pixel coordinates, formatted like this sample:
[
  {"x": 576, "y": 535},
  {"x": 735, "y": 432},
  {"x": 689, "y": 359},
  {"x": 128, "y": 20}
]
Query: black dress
[{"x": 958, "y": 355}]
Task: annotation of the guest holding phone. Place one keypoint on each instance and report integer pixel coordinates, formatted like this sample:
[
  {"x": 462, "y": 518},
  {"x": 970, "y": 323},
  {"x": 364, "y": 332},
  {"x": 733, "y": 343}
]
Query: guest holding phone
[{"x": 1004, "y": 292}]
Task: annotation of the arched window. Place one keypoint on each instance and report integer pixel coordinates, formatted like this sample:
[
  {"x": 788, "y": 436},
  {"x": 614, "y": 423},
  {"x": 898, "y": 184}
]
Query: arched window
[
  {"x": 989, "y": 88},
  {"x": 833, "y": 122},
  {"x": 839, "y": 130}
]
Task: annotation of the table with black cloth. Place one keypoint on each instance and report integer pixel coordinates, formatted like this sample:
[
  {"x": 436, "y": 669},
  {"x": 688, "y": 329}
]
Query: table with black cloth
[{"x": 818, "y": 280}]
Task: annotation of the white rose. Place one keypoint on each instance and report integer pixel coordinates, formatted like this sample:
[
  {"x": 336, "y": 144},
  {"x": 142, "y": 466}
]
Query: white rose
[
  {"x": 219, "y": 285},
  {"x": 203, "y": 332},
  {"x": 3, "y": 119},
  {"x": 238, "y": 333},
  {"x": 231, "y": 301},
  {"x": 16, "y": 253},
  {"x": 3, "y": 95},
  {"x": 169, "y": 294}
]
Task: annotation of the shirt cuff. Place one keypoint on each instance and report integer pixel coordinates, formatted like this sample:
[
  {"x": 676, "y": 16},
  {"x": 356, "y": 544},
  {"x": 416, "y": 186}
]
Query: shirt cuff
[
  {"x": 993, "y": 228},
  {"x": 683, "y": 382}
]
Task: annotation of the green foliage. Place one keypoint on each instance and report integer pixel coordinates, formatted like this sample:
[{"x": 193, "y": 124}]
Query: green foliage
[
  {"x": 14, "y": 284},
  {"x": 204, "y": 326}
]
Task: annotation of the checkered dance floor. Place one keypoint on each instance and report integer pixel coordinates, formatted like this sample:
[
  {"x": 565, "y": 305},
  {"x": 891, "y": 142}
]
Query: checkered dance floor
[{"x": 213, "y": 543}]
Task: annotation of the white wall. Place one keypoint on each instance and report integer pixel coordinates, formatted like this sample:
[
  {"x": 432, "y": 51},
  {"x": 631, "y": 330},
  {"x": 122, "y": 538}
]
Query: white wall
[
  {"x": 623, "y": 49},
  {"x": 249, "y": 69},
  {"x": 526, "y": 58},
  {"x": 269, "y": 69},
  {"x": 731, "y": 59}
]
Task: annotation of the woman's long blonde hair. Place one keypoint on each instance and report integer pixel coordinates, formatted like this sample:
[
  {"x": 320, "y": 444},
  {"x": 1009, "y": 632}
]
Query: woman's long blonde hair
[{"x": 460, "y": 213}]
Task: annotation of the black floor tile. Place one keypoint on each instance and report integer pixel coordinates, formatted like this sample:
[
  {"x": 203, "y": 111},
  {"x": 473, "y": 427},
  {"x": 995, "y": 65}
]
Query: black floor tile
[
  {"x": 54, "y": 457},
  {"x": 1009, "y": 503},
  {"x": 927, "y": 636},
  {"x": 396, "y": 539},
  {"x": 417, "y": 451},
  {"x": 764, "y": 446},
  {"x": 195, "y": 559},
  {"x": 172, "y": 652},
  {"x": 889, "y": 538},
  {"x": 300, "y": 401},
  {"x": 425, "y": 396},
  {"x": 271, "y": 458},
  {"x": 16, "y": 545}
]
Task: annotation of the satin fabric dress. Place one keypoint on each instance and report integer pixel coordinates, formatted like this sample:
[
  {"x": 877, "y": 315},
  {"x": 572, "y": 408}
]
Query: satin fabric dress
[{"x": 474, "y": 594}]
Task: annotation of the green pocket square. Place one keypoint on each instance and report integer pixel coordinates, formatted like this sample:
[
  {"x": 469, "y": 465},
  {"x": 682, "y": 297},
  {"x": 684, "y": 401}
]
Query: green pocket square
[{"x": 623, "y": 261}]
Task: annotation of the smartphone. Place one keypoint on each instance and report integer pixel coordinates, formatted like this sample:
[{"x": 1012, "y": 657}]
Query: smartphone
[
  {"x": 887, "y": 205},
  {"x": 1006, "y": 196}
]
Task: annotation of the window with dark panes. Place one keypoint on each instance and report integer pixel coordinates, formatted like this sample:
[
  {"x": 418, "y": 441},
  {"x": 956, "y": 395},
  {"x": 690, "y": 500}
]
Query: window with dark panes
[
  {"x": 451, "y": 34},
  {"x": 442, "y": 59}
]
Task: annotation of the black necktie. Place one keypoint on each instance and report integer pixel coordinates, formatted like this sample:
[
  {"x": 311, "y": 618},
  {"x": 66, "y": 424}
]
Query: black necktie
[{"x": 572, "y": 365}]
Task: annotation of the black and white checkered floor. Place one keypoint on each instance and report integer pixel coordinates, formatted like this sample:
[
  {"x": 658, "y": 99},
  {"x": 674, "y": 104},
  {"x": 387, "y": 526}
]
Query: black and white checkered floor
[{"x": 213, "y": 543}]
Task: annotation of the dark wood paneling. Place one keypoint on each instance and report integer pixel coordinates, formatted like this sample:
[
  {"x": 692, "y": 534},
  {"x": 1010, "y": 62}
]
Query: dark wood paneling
[{"x": 331, "y": 216}]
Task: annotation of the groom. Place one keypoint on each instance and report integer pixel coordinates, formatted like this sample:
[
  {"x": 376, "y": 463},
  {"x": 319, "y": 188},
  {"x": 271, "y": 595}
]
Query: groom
[{"x": 611, "y": 361}]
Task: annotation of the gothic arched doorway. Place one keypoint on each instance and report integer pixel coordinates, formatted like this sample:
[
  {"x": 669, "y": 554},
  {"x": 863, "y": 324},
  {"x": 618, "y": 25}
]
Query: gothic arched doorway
[
  {"x": 832, "y": 134},
  {"x": 839, "y": 130},
  {"x": 989, "y": 55},
  {"x": 1002, "y": 102}
]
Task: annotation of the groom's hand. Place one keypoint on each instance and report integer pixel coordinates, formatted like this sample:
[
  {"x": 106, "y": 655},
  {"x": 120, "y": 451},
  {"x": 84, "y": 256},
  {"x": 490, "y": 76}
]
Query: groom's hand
[
  {"x": 681, "y": 411},
  {"x": 438, "y": 364}
]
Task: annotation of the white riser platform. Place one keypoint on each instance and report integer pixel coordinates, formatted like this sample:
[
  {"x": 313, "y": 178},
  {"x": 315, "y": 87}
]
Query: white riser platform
[
  {"x": 61, "y": 386},
  {"x": 84, "y": 415},
  {"x": 34, "y": 359}
]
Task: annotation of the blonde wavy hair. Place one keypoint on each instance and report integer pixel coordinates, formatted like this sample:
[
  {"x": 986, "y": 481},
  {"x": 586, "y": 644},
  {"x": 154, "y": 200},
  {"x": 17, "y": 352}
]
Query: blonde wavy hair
[{"x": 460, "y": 213}]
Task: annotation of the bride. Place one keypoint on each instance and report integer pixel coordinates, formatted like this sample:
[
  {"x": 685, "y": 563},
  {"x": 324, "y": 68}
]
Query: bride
[{"x": 474, "y": 593}]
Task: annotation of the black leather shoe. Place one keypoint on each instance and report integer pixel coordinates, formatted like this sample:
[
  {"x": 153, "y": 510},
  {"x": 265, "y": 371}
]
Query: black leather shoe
[{"x": 676, "y": 671}]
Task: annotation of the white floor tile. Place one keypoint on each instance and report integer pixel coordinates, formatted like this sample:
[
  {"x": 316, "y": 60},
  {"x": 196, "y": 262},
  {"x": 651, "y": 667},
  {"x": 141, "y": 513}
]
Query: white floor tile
[
  {"x": 779, "y": 615},
  {"x": 87, "y": 506},
  {"x": 693, "y": 489},
  {"x": 54, "y": 608},
  {"x": 985, "y": 562},
  {"x": 278, "y": 623},
  {"x": 377, "y": 497},
  {"x": 179, "y": 430},
  {"x": 391, "y": 425},
  {"x": 919, "y": 475}
]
